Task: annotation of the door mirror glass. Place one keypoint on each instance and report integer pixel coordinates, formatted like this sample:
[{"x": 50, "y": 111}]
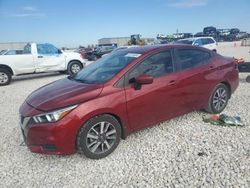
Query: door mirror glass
[{"x": 144, "y": 79}]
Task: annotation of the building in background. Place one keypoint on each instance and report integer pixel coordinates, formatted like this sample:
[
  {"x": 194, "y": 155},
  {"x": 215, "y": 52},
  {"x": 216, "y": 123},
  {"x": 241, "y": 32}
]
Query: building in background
[
  {"x": 119, "y": 41},
  {"x": 12, "y": 45},
  {"x": 122, "y": 41}
]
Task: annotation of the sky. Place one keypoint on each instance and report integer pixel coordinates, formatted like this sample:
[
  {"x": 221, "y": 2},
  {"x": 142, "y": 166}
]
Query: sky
[{"x": 81, "y": 22}]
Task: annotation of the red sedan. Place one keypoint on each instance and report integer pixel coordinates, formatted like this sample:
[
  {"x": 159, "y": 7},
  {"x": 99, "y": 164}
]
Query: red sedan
[{"x": 123, "y": 92}]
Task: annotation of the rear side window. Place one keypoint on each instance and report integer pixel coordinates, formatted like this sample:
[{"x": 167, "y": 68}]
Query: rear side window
[
  {"x": 11, "y": 52},
  {"x": 157, "y": 65},
  {"x": 210, "y": 41},
  {"x": 207, "y": 41},
  {"x": 27, "y": 49},
  {"x": 189, "y": 58}
]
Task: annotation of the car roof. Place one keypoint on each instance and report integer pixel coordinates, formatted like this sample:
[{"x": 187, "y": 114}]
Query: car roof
[
  {"x": 149, "y": 48},
  {"x": 143, "y": 49}
]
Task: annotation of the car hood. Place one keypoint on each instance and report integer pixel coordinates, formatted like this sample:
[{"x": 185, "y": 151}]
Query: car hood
[{"x": 62, "y": 93}]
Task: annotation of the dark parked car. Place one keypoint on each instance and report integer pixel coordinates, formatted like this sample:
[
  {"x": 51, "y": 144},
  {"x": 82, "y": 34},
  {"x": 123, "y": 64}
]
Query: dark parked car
[
  {"x": 210, "y": 31},
  {"x": 124, "y": 92},
  {"x": 234, "y": 31},
  {"x": 199, "y": 34},
  {"x": 99, "y": 51},
  {"x": 242, "y": 35}
]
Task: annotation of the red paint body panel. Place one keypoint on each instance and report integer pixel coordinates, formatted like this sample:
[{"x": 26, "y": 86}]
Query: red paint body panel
[
  {"x": 62, "y": 93},
  {"x": 168, "y": 96}
]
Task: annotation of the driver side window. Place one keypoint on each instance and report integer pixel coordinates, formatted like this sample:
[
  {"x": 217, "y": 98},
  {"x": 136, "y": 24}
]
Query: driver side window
[
  {"x": 46, "y": 49},
  {"x": 157, "y": 65}
]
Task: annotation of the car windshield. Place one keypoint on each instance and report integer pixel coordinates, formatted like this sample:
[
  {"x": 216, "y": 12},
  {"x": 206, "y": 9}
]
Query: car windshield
[
  {"x": 105, "y": 68},
  {"x": 184, "y": 42}
]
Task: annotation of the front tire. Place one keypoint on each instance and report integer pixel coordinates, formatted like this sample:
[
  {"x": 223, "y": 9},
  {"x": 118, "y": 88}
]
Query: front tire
[
  {"x": 99, "y": 136},
  {"x": 218, "y": 99},
  {"x": 5, "y": 77},
  {"x": 74, "y": 67}
]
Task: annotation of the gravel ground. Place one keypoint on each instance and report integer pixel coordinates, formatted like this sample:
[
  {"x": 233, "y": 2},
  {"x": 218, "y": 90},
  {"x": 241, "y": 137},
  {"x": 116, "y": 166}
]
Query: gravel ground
[{"x": 182, "y": 152}]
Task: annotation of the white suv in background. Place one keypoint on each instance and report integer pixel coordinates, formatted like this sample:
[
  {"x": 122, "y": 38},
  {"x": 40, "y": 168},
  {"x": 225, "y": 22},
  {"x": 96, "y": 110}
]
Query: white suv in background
[{"x": 206, "y": 42}]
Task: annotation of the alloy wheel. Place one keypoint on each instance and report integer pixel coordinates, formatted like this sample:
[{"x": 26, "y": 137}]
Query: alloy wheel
[
  {"x": 75, "y": 68},
  {"x": 220, "y": 99},
  {"x": 3, "y": 78},
  {"x": 101, "y": 137}
]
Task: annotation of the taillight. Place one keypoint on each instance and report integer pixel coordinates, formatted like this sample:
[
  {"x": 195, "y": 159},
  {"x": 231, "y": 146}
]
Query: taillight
[{"x": 236, "y": 63}]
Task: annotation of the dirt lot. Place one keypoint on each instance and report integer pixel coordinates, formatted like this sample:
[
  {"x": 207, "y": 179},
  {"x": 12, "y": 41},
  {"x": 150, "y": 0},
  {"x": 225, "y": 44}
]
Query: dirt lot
[
  {"x": 182, "y": 152},
  {"x": 234, "y": 49}
]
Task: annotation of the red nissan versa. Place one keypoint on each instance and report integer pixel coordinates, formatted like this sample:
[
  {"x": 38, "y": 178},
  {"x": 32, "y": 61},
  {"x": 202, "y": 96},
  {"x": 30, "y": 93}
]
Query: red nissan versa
[{"x": 124, "y": 92}]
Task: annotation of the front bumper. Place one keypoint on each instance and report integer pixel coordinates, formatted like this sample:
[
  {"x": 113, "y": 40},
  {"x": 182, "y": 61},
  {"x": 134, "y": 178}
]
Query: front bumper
[{"x": 49, "y": 138}]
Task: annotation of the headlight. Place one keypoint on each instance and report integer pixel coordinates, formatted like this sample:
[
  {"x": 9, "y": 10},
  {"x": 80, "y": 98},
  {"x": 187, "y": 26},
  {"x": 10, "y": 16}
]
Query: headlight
[{"x": 53, "y": 116}]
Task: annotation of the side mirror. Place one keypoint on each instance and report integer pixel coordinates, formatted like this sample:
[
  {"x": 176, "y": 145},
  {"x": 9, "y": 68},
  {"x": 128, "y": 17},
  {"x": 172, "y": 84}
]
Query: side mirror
[
  {"x": 144, "y": 79},
  {"x": 196, "y": 44},
  {"x": 141, "y": 80},
  {"x": 59, "y": 51}
]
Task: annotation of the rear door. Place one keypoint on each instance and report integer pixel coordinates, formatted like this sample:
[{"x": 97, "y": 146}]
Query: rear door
[
  {"x": 197, "y": 76},
  {"x": 154, "y": 102},
  {"x": 49, "y": 58}
]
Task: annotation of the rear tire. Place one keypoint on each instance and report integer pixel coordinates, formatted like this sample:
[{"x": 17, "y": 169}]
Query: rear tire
[
  {"x": 74, "y": 67},
  {"x": 5, "y": 77},
  {"x": 218, "y": 99},
  {"x": 248, "y": 79},
  {"x": 99, "y": 136}
]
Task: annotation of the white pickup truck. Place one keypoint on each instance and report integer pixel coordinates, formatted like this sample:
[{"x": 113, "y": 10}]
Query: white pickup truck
[{"x": 37, "y": 58}]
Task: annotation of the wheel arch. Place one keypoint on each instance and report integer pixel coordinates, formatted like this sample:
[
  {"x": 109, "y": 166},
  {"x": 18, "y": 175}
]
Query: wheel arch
[
  {"x": 123, "y": 129},
  {"x": 228, "y": 86},
  {"x": 3, "y": 66},
  {"x": 89, "y": 116}
]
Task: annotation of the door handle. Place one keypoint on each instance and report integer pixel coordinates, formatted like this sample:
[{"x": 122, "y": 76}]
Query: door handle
[
  {"x": 40, "y": 56},
  {"x": 211, "y": 67},
  {"x": 171, "y": 83}
]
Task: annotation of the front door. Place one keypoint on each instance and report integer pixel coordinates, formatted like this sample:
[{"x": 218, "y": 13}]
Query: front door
[
  {"x": 49, "y": 58},
  {"x": 154, "y": 102}
]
